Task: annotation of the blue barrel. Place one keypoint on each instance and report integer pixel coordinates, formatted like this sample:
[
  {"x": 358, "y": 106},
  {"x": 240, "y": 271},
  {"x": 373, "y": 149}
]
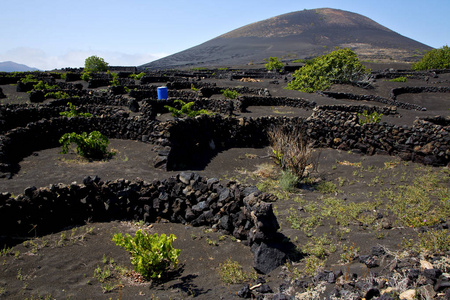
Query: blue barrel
[{"x": 162, "y": 93}]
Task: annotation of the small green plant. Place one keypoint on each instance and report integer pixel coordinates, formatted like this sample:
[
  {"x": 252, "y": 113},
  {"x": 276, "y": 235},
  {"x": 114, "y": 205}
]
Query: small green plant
[
  {"x": 102, "y": 274},
  {"x": 137, "y": 76},
  {"x": 212, "y": 242},
  {"x": 5, "y": 251},
  {"x": 194, "y": 88},
  {"x": 399, "y": 79},
  {"x": 45, "y": 86},
  {"x": 57, "y": 95},
  {"x": 86, "y": 76},
  {"x": 320, "y": 247},
  {"x": 73, "y": 112},
  {"x": 115, "y": 79},
  {"x": 151, "y": 255},
  {"x": 366, "y": 118},
  {"x": 185, "y": 110},
  {"x": 92, "y": 145},
  {"x": 231, "y": 272},
  {"x": 313, "y": 264},
  {"x": 273, "y": 63},
  {"x": 288, "y": 181},
  {"x": 28, "y": 78},
  {"x": 434, "y": 59},
  {"x": 327, "y": 187},
  {"x": 348, "y": 253},
  {"x": 230, "y": 94}
]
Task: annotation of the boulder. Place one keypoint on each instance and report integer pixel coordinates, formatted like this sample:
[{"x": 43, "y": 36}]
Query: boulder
[{"x": 267, "y": 257}]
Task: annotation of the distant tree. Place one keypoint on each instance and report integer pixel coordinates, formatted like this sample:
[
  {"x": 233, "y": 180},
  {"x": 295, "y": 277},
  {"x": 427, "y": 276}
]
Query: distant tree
[
  {"x": 95, "y": 64},
  {"x": 340, "y": 66},
  {"x": 273, "y": 63},
  {"x": 434, "y": 59}
]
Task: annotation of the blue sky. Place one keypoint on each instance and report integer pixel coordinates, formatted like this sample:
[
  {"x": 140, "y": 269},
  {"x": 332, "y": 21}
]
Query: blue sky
[{"x": 61, "y": 33}]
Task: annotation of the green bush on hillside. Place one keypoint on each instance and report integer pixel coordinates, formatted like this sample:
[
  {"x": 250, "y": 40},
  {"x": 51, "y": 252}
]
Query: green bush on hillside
[
  {"x": 340, "y": 66},
  {"x": 434, "y": 59},
  {"x": 273, "y": 63}
]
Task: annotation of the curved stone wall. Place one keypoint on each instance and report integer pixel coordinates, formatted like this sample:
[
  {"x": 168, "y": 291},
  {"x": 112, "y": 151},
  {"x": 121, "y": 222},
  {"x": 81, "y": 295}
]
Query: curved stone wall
[{"x": 187, "y": 198}]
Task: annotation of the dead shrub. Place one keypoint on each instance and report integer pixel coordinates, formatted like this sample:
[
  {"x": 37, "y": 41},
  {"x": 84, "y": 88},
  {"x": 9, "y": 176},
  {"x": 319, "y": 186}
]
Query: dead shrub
[{"x": 290, "y": 147}]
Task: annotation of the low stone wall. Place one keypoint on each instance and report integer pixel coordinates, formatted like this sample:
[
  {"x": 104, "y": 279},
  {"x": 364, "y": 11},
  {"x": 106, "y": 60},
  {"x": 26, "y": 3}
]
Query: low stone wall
[
  {"x": 43, "y": 134},
  {"x": 420, "y": 89},
  {"x": 19, "y": 115},
  {"x": 391, "y": 110},
  {"x": 193, "y": 140},
  {"x": 391, "y": 102},
  {"x": 246, "y": 101},
  {"x": 187, "y": 198}
]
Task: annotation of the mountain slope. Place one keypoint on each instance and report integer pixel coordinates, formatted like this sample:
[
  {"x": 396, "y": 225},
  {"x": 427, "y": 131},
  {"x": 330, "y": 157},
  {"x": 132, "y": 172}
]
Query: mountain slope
[
  {"x": 9, "y": 66},
  {"x": 301, "y": 34}
]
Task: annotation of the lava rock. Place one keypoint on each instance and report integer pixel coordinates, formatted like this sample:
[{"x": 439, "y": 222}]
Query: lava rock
[{"x": 268, "y": 257}]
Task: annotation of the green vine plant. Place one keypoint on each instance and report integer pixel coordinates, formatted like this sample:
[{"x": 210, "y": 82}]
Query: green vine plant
[
  {"x": 151, "y": 255},
  {"x": 230, "y": 94},
  {"x": 273, "y": 63},
  {"x": 137, "y": 76},
  {"x": 115, "y": 79},
  {"x": 45, "y": 86},
  {"x": 73, "y": 112},
  {"x": 57, "y": 95},
  {"x": 93, "y": 145},
  {"x": 366, "y": 118},
  {"x": 186, "y": 110}
]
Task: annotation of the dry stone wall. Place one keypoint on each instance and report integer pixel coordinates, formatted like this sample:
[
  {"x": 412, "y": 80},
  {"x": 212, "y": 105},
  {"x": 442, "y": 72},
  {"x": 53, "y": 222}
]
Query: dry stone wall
[{"x": 241, "y": 211}]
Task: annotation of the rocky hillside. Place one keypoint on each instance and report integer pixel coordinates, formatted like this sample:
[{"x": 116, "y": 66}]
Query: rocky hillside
[{"x": 301, "y": 34}]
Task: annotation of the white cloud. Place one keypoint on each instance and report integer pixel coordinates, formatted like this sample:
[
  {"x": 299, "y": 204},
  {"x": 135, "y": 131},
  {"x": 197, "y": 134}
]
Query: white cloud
[{"x": 37, "y": 58}]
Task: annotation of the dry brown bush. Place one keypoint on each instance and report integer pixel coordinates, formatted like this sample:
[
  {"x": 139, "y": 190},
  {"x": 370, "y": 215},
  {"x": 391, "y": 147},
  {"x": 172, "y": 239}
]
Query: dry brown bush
[{"x": 290, "y": 147}]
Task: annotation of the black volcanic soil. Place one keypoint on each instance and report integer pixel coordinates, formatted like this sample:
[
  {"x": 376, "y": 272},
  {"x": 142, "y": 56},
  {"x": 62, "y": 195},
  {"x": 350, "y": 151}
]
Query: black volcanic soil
[{"x": 62, "y": 265}]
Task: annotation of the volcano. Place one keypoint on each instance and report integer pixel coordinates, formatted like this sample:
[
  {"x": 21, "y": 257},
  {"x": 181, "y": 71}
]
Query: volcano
[{"x": 297, "y": 35}]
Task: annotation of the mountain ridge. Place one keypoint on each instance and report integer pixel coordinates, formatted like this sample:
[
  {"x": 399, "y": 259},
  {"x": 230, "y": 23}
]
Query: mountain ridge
[
  {"x": 10, "y": 66},
  {"x": 301, "y": 34}
]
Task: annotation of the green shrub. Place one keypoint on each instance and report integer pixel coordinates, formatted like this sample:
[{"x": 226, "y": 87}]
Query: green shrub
[
  {"x": 186, "y": 110},
  {"x": 115, "y": 79},
  {"x": 399, "y": 79},
  {"x": 73, "y": 112},
  {"x": 95, "y": 64},
  {"x": 340, "y": 66},
  {"x": 45, "y": 86},
  {"x": 86, "y": 76},
  {"x": 137, "y": 76},
  {"x": 230, "y": 94},
  {"x": 231, "y": 272},
  {"x": 327, "y": 187},
  {"x": 434, "y": 59},
  {"x": 273, "y": 63},
  {"x": 151, "y": 255},
  {"x": 366, "y": 118},
  {"x": 194, "y": 88},
  {"x": 57, "y": 95},
  {"x": 92, "y": 145},
  {"x": 28, "y": 78},
  {"x": 288, "y": 181}
]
